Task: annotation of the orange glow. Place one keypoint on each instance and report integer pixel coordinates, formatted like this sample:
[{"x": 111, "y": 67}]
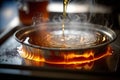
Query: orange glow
[
  {"x": 70, "y": 59},
  {"x": 31, "y": 53},
  {"x": 73, "y": 58},
  {"x": 86, "y": 66},
  {"x": 35, "y": 63}
]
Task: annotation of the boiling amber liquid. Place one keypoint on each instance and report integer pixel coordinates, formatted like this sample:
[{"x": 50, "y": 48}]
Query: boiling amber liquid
[{"x": 46, "y": 39}]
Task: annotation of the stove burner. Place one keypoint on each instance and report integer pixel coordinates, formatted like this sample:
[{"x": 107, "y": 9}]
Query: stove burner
[{"x": 64, "y": 59}]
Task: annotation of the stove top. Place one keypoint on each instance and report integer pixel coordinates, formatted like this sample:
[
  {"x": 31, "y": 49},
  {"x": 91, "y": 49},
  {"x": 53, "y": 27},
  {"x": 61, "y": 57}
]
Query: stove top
[{"x": 13, "y": 65}]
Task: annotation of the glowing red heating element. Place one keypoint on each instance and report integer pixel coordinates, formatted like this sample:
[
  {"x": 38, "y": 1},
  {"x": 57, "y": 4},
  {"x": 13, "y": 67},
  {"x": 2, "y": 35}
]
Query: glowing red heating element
[{"x": 68, "y": 59}]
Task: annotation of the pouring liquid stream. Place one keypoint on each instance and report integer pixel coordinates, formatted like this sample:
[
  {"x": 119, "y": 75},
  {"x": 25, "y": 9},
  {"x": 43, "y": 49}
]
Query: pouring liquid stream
[{"x": 65, "y": 3}]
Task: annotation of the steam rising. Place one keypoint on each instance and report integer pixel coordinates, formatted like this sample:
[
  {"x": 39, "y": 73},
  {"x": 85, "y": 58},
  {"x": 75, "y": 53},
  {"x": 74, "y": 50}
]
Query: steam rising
[
  {"x": 82, "y": 39},
  {"x": 101, "y": 19}
]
